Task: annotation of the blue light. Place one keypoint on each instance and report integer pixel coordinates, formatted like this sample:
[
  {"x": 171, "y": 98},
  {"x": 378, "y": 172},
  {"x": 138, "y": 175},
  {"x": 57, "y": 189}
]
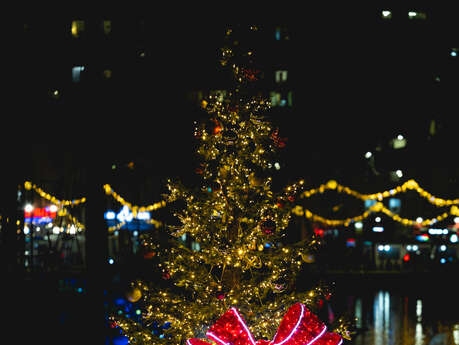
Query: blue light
[
  {"x": 166, "y": 325},
  {"x": 120, "y": 340},
  {"x": 80, "y": 290},
  {"x": 209, "y": 189},
  {"x": 161, "y": 336},
  {"x": 442, "y": 260},
  {"x": 267, "y": 245}
]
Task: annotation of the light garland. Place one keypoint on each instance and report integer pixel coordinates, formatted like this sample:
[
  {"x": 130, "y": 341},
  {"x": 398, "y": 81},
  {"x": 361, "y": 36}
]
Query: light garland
[
  {"x": 378, "y": 206},
  {"x": 408, "y": 185},
  {"x": 108, "y": 190}
]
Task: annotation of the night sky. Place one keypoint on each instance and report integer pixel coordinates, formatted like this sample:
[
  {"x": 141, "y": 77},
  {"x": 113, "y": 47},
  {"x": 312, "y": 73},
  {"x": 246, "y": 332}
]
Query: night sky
[{"x": 355, "y": 87}]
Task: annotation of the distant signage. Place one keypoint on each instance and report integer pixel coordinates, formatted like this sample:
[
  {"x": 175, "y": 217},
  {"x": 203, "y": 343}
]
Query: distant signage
[
  {"x": 40, "y": 215},
  {"x": 140, "y": 222}
]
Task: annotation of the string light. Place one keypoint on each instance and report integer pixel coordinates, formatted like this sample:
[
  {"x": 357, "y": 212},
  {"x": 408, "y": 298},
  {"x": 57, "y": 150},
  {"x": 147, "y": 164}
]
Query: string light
[{"x": 408, "y": 185}]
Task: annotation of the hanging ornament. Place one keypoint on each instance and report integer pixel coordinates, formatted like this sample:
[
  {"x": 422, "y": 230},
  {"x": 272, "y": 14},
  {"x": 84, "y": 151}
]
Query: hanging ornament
[
  {"x": 149, "y": 255},
  {"x": 268, "y": 226},
  {"x": 298, "y": 327},
  {"x": 133, "y": 294},
  {"x": 166, "y": 275},
  {"x": 220, "y": 295},
  {"x": 278, "y": 141}
]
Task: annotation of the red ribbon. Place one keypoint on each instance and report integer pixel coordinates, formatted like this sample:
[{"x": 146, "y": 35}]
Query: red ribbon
[{"x": 298, "y": 327}]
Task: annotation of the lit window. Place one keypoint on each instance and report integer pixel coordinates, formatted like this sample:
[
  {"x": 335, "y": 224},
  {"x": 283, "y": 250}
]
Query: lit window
[
  {"x": 281, "y": 33},
  {"x": 280, "y": 76},
  {"x": 399, "y": 142},
  {"x": 275, "y": 98},
  {"x": 107, "y": 73},
  {"x": 107, "y": 26},
  {"x": 417, "y": 15},
  {"x": 290, "y": 99},
  {"x": 385, "y": 14},
  {"x": 77, "y": 27},
  {"x": 76, "y": 73},
  {"x": 395, "y": 205}
]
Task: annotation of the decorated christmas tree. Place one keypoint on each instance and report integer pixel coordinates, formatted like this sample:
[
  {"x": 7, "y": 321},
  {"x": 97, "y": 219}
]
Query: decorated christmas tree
[{"x": 243, "y": 261}]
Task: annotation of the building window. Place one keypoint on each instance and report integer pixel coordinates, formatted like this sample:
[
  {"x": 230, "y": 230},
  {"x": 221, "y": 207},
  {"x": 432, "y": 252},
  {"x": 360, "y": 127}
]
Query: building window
[
  {"x": 417, "y": 15},
  {"x": 107, "y": 73},
  {"x": 290, "y": 99},
  {"x": 399, "y": 142},
  {"x": 277, "y": 99},
  {"x": 280, "y": 76},
  {"x": 77, "y": 28},
  {"x": 395, "y": 205},
  {"x": 107, "y": 26},
  {"x": 385, "y": 14},
  {"x": 281, "y": 33},
  {"x": 76, "y": 73}
]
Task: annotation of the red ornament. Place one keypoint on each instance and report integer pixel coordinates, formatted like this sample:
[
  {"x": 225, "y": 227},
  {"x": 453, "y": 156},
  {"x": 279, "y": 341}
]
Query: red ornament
[
  {"x": 221, "y": 296},
  {"x": 166, "y": 275},
  {"x": 298, "y": 327},
  {"x": 278, "y": 141},
  {"x": 291, "y": 198}
]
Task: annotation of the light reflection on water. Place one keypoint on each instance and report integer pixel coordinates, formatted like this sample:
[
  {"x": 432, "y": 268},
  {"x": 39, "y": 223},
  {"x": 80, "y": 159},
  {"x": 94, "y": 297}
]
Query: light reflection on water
[{"x": 393, "y": 317}]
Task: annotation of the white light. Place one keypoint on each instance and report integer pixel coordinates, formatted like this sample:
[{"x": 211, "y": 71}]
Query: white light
[
  {"x": 408, "y": 247},
  {"x": 399, "y": 173},
  {"x": 26, "y": 230},
  {"x": 456, "y": 219},
  {"x": 72, "y": 229},
  {"x": 442, "y": 248},
  {"x": 435, "y": 231},
  {"x": 415, "y": 247},
  {"x": 28, "y": 208},
  {"x": 135, "y": 233},
  {"x": 111, "y": 261},
  {"x": 37, "y": 229},
  {"x": 56, "y": 230},
  {"x": 386, "y": 248},
  {"x": 380, "y": 247},
  {"x": 358, "y": 225},
  {"x": 453, "y": 53},
  {"x": 445, "y": 232},
  {"x": 53, "y": 208},
  {"x": 144, "y": 215},
  {"x": 386, "y": 13},
  {"x": 400, "y": 137},
  {"x": 419, "y": 220},
  {"x": 125, "y": 215},
  {"x": 110, "y": 215},
  {"x": 412, "y": 14},
  {"x": 453, "y": 238},
  {"x": 368, "y": 154},
  {"x": 277, "y": 165},
  {"x": 378, "y": 229},
  {"x": 377, "y": 219}
]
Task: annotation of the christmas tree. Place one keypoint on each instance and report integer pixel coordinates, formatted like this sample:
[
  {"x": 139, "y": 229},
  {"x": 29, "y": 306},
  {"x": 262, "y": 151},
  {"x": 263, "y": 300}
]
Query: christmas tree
[{"x": 239, "y": 221}]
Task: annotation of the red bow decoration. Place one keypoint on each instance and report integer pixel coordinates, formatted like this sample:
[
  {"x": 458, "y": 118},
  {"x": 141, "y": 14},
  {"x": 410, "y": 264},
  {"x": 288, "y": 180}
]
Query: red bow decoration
[{"x": 298, "y": 327}]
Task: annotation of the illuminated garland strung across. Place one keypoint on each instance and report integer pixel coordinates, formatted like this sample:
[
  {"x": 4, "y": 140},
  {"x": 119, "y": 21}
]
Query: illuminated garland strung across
[
  {"x": 298, "y": 210},
  {"x": 378, "y": 206},
  {"x": 108, "y": 190},
  {"x": 408, "y": 185}
]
